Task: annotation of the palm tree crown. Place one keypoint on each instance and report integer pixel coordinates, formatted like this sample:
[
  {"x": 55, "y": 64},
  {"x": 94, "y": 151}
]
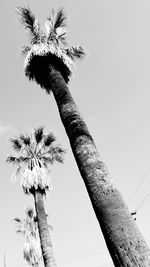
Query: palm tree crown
[
  {"x": 36, "y": 152},
  {"x": 48, "y": 47},
  {"x": 29, "y": 228}
]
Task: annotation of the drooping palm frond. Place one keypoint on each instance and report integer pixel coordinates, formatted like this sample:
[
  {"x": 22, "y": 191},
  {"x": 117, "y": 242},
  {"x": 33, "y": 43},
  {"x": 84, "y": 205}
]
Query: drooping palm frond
[
  {"x": 19, "y": 225},
  {"x": 28, "y": 224},
  {"x": 30, "y": 213},
  {"x": 29, "y": 228},
  {"x": 16, "y": 174},
  {"x": 37, "y": 179},
  {"x": 30, "y": 22},
  {"x": 75, "y": 52},
  {"x": 39, "y": 134},
  {"x": 16, "y": 144}
]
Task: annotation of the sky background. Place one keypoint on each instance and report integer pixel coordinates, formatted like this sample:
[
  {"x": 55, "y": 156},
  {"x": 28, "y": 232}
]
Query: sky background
[{"x": 112, "y": 90}]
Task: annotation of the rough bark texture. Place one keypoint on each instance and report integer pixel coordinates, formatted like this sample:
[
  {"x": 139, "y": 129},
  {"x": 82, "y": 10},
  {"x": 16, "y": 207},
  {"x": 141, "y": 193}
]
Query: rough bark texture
[
  {"x": 124, "y": 241},
  {"x": 46, "y": 244}
]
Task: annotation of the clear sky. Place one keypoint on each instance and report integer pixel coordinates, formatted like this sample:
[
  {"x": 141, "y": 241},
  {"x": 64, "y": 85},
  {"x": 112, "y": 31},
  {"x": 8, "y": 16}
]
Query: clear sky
[{"x": 112, "y": 91}]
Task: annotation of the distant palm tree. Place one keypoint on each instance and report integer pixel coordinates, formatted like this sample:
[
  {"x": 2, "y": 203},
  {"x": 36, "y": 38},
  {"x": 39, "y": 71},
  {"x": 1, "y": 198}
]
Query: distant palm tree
[
  {"x": 36, "y": 152},
  {"x": 49, "y": 61},
  {"x": 29, "y": 228}
]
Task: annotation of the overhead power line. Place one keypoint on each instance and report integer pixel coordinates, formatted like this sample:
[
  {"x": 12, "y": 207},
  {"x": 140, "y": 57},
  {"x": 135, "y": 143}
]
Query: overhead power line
[
  {"x": 139, "y": 185},
  {"x": 142, "y": 202}
]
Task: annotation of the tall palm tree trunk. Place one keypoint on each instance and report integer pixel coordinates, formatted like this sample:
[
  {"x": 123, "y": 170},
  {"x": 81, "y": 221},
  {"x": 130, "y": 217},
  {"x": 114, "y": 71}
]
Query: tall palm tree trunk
[
  {"x": 124, "y": 241},
  {"x": 46, "y": 244}
]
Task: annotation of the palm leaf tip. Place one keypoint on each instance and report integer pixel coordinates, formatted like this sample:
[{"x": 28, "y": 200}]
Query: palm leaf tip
[
  {"x": 49, "y": 139},
  {"x": 38, "y": 134},
  {"x": 25, "y": 139},
  {"x": 17, "y": 220},
  {"x": 30, "y": 213},
  {"x": 60, "y": 19},
  {"x": 26, "y": 17},
  {"x": 81, "y": 53},
  {"x": 58, "y": 154},
  {"x": 31, "y": 24},
  {"x": 76, "y": 52},
  {"x": 25, "y": 50},
  {"x": 16, "y": 144},
  {"x": 11, "y": 159}
]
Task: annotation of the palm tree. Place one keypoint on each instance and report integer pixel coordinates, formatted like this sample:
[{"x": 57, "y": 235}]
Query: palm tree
[
  {"x": 29, "y": 228},
  {"x": 50, "y": 62},
  {"x": 36, "y": 152}
]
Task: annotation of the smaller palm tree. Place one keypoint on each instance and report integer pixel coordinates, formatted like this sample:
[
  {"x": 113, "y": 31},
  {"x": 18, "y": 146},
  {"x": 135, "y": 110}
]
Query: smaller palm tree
[
  {"x": 35, "y": 153},
  {"x": 29, "y": 228}
]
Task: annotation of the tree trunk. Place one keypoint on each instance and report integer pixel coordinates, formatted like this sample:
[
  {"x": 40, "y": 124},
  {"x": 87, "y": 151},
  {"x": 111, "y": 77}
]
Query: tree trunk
[
  {"x": 124, "y": 241},
  {"x": 46, "y": 244}
]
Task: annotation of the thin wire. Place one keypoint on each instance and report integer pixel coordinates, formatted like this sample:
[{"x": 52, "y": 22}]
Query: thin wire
[
  {"x": 142, "y": 202},
  {"x": 81, "y": 255},
  {"x": 138, "y": 187}
]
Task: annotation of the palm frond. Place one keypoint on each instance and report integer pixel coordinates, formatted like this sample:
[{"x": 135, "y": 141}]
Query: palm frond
[
  {"x": 12, "y": 159},
  {"x": 56, "y": 153},
  {"x": 49, "y": 139},
  {"x": 48, "y": 30},
  {"x": 16, "y": 144},
  {"x": 27, "y": 18},
  {"x": 75, "y": 52},
  {"x": 19, "y": 231},
  {"x": 61, "y": 36},
  {"x": 37, "y": 28},
  {"x": 19, "y": 225},
  {"x": 60, "y": 19},
  {"x": 38, "y": 134},
  {"x": 51, "y": 18},
  {"x": 16, "y": 160},
  {"x": 59, "y": 158},
  {"x": 17, "y": 220},
  {"x": 46, "y": 160},
  {"x": 30, "y": 213},
  {"x": 35, "y": 219},
  {"x": 25, "y": 139},
  {"x": 15, "y": 174},
  {"x": 25, "y": 50},
  {"x": 56, "y": 36},
  {"x": 30, "y": 22},
  {"x": 24, "y": 159}
]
